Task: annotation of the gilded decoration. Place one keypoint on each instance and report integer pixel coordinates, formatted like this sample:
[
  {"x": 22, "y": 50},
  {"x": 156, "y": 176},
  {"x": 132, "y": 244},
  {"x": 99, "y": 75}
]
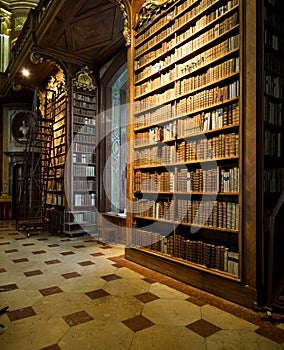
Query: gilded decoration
[
  {"x": 5, "y": 22},
  {"x": 126, "y": 24},
  {"x": 84, "y": 80},
  {"x": 151, "y": 8}
]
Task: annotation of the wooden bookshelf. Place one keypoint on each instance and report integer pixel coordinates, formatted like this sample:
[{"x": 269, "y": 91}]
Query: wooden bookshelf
[
  {"x": 188, "y": 155},
  {"x": 56, "y": 110},
  {"x": 83, "y": 158}
]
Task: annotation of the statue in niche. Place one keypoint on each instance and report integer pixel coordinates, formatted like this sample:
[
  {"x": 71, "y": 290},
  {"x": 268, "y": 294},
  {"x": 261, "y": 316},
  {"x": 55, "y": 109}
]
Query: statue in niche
[{"x": 24, "y": 129}]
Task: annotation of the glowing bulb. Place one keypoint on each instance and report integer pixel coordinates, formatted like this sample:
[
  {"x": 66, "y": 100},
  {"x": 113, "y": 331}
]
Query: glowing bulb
[{"x": 25, "y": 72}]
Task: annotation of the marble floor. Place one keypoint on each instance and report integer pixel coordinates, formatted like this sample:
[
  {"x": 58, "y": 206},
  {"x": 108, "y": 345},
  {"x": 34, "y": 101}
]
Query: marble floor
[{"x": 75, "y": 293}]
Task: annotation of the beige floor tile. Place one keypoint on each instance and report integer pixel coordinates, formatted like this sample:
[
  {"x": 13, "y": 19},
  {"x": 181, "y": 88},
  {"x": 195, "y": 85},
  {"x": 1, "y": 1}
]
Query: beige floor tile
[
  {"x": 225, "y": 320},
  {"x": 33, "y": 333},
  {"x": 19, "y": 298},
  {"x": 114, "y": 308},
  {"x": 239, "y": 340},
  {"x": 161, "y": 337},
  {"x": 166, "y": 292},
  {"x": 61, "y": 304},
  {"x": 97, "y": 335},
  {"x": 123, "y": 287},
  {"x": 173, "y": 312}
]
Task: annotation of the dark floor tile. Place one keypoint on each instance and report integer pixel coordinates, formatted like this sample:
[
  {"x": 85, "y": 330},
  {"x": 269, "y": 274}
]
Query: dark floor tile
[
  {"x": 67, "y": 253},
  {"x": 272, "y": 333},
  {"x": 3, "y": 270},
  {"x": 33, "y": 273},
  {"x": 50, "y": 262},
  {"x": 5, "y": 243},
  {"x": 77, "y": 318},
  {"x": 203, "y": 328},
  {"x": 70, "y": 275},
  {"x": 21, "y": 313},
  {"x": 97, "y": 254},
  {"x": 111, "y": 277},
  {"x": 146, "y": 297},
  {"x": 86, "y": 263},
  {"x": 39, "y": 252},
  {"x": 53, "y": 245},
  {"x": 28, "y": 244},
  {"x": 8, "y": 287},
  {"x": 99, "y": 293},
  {"x": 42, "y": 239},
  {"x": 137, "y": 323},
  {"x": 11, "y": 251},
  {"x": 20, "y": 238},
  {"x": 106, "y": 247},
  {"x": 51, "y": 290},
  {"x": 20, "y": 260},
  {"x": 65, "y": 240},
  {"x": 79, "y": 246}
]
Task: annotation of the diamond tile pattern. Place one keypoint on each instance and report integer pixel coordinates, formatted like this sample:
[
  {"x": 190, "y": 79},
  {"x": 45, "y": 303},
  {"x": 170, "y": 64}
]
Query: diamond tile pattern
[
  {"x": 75, "y": 293},
  {"x": 138, "y": 323},
  {"x": 21, "y": 313},
  {"x": 99, "y": 293},
  {"x": 77, "y": 318},
  {"x": 203, "y": 328}
]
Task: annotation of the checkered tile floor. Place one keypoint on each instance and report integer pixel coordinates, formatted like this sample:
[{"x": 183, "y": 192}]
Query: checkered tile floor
[{"x": 74, "y": 293}]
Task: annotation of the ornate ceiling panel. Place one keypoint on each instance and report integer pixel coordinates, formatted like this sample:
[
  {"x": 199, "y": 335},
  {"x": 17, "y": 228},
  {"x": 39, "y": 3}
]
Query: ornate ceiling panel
[{"x": 92, "y": 29}]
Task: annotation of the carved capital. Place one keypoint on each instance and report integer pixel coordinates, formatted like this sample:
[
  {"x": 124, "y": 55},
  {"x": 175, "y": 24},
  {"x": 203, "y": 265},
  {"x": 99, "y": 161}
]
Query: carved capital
[{"x": 126, "y": 24}]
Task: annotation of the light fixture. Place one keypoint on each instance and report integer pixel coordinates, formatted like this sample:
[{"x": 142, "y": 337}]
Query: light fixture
[{"x": 25, "y": 72}]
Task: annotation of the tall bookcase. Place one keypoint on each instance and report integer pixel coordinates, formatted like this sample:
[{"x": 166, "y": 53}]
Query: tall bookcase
[
  {"x": 189, "y": 156},
  {"x": 271, "y": 81},
  {"x": 80, "y": 216},
  {"x": 55, "y": 108}
]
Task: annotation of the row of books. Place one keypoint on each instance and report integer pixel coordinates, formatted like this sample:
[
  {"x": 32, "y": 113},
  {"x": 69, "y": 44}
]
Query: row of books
[
  {"x": 205, "y": 20},
  {"x": 84, "y": 185},
  {"x": 273, "y": 86},
  {"x": 205, "y": 213},
  {"x": 220, "y": 147},
  {"x": 274, "y": 180},
  {"x": 54, "y": 199},
  {"x": 84, "y": 199},
  {"x": 55, "y": 184},
  {"x": 186, "y": 85},
  {"x": 212, "y": 74},
  {"x": 195, "y": 44},
  {"x": 85, "y": 98},
  {"x": 84, "y": 129},
  {"x": 273, "y": 63},
  {"x": 81, "y": 147},
  {"x": 219, "y": 214},
  {"x": 83, "y": 170},
  {"x": 273, "y": 112},
  {"x": 162, "y": 35},
  {"x": 273, "y": 143},
  {"x": 83, "y": 158},
  {"x": 196, "y": 251},
  {"x": 154, "y": 54},
  {"x": 187, "y": 105},
  {"x": 180, "y": 22},
  {"x": 158, "y": 24},
  {"x": 58, "y": 133},
  {"x": 81, "y": 113},
  {"x": 207, "y": 56},
  {"x": 219, "y": 180},
  {"x": 206, "y": 98},
  {"x": 272, "y": 40},
  {"x": 204, "y": 121},
  {"x": 85, "y": 138}
]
